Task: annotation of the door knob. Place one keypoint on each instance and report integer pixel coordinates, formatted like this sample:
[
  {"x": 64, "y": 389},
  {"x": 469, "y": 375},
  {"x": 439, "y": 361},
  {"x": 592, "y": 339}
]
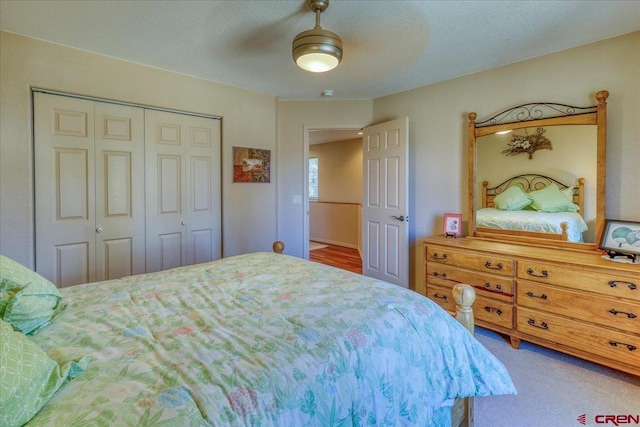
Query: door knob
[
  {"x": 399, "y": 218},
  {"x": 183, "y": 222},
  {"x": 99, "y": 230}
]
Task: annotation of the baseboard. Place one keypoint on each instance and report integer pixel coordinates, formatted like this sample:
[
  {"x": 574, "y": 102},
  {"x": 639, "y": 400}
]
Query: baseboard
[{"x": 332, "y": 242}]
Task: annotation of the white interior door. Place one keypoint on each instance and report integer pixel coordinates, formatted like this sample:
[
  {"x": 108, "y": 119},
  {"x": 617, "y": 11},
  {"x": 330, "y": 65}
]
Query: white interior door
[
  {"x": 183, "y": 192},
  {"x": 166, "y": 231},
  {"x": 119, "y": 169},
  {"x": 64, "y": 189},
  {"x": 385, "y": 201},
  {"x": 204, "y": 231},
  {"x": 89, "y": 189}
]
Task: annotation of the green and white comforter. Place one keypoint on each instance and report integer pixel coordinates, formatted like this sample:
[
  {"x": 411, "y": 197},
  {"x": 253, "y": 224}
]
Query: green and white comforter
[{"x": 261, "y": 340}]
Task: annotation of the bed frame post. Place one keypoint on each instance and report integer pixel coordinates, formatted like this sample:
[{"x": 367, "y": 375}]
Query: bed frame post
[
  {"x": 465, "y": 295},
  {"x": 278, "y": 247}
]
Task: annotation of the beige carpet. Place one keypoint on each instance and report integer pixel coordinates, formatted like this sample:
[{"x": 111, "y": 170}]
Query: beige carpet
[
  {"x": 315, "y": 245},
  {"x": 554, "y": 389}
]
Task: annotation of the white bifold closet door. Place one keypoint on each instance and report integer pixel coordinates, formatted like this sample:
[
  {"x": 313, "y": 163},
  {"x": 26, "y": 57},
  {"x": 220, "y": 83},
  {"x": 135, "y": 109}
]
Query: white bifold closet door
[
  {"x": 183, "y": 223},
  {"x": 89, "y": 189},
  {"x": 122, "y": 190}
]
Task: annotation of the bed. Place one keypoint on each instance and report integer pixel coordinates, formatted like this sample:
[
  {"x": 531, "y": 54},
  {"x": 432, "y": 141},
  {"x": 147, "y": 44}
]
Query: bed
[
  {"x": 532, "y": 205},
  {"x": 261, "y": 339}
]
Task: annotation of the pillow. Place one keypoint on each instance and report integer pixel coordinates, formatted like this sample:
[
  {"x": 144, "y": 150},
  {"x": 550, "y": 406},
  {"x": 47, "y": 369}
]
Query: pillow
[
  {"x": 551, "y": 199},
  {"x": 28, "y": 377},
  {"x": 513, "y": 199},
  {"x": 568, "y": 193},
  {"x": 28, "y": 301}
]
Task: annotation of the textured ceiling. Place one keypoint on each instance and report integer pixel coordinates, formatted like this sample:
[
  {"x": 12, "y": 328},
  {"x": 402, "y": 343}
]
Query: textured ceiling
[{"x": 389, "y": 46}]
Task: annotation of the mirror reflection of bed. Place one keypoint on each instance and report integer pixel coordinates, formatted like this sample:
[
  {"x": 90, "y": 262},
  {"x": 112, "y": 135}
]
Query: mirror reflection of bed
[
  {"x": 535, "y": 206},
  {"x": 560, "y": 142},
  {"x": 573, "y": 156}
]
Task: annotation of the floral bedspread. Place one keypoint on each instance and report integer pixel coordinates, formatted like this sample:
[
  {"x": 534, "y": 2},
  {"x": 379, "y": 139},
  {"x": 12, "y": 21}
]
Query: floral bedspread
[{"x": 261, "y": 340}]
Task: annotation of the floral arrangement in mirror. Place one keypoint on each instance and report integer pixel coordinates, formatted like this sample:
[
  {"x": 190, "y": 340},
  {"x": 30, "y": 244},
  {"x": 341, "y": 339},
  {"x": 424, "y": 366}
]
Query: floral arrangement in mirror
[{"x": 528, "y": 143}]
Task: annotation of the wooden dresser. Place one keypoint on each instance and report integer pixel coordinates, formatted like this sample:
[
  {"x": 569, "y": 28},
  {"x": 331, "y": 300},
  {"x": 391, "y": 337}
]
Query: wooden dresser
[{"x": 574, "y": 302}]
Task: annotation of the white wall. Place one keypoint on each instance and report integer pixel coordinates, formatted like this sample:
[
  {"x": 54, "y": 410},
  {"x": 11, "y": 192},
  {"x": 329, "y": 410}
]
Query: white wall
[
  {"x": 438, "y": 126},
  {"x": 248, "y": 120}
]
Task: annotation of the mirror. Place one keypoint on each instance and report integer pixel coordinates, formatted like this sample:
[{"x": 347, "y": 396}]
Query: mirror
[{"x": 534, "y": 146}]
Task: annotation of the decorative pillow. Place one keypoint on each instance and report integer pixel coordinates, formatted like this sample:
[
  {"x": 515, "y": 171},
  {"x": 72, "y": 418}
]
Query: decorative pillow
[
  {"x": 568, "y": 193},
  {"x": 513, "y": 199},
  {"x": 551, "y": 199},
  {"x": 28, "y": 301},
  {"x": 28, "y": 377}
]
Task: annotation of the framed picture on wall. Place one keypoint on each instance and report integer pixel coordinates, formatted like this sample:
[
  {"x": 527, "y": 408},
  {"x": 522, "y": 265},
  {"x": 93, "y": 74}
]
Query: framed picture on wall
[
  {"x": 251, "y": 165},
  {"x": 452, "y": 224}
]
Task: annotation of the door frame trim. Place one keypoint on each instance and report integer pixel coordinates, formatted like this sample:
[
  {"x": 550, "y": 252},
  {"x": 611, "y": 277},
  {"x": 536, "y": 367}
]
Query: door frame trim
[{"x": 128, "y": 104}]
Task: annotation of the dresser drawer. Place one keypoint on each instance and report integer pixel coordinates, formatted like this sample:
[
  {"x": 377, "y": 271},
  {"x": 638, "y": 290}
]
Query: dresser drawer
[
  {"x": 610, "y": 312},
  {"x": 614, "y": 345},
  {"x": 442, "y": 296},
  {"x": 494, "y": 312},
  {"x": 598, "y": 281},
  {"x": 476, "y": 261},
  {"x": 490, "y": 285}
]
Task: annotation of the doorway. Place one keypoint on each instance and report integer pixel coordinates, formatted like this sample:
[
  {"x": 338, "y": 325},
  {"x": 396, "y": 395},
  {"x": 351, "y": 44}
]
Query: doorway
[{"x": 334, "y": 197}]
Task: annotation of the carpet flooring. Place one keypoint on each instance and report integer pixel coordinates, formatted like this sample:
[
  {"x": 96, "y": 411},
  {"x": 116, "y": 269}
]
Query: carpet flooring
[{"x": 554, "y": 389}]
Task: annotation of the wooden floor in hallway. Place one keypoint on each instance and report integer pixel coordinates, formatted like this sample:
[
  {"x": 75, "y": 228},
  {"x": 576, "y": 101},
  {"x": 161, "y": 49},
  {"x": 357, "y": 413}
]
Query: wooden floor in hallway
[{"x": 338, "y": 256}]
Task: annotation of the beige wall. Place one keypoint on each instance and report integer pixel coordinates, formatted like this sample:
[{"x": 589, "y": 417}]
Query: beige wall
[
  {"x": 437, "y": 115},
  {"x": 339, "y": 184},
  {"x": 340, "y": 170},
  {"x": 248, "y": 120},
  {"x": 438, "y": 125}
]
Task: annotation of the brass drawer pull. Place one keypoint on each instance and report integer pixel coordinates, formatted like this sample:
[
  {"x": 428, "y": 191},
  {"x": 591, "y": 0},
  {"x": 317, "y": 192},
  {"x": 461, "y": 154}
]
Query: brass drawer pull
[
  {"x": 497, "y": 267},
  {"x": 488, "y": 286},
  {"x": 629, "y": 346},
  {"x": 442, "y": 275},
  {"x": 542, "y": 325},
  {"x": 616, "y": 312},
  {"x": 631, "y": 285},
  {"x": 442, "y": 297},
  {"x": 532, "y": 295},
  {"x": 530, "y": 272},
  {"x": 438, "y": 257},
  {"x": 493, "y": 309}
]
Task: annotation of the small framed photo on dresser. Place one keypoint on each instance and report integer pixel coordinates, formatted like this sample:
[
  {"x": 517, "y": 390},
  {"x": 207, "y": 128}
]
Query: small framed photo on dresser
[{"x": 452, "y": 224}]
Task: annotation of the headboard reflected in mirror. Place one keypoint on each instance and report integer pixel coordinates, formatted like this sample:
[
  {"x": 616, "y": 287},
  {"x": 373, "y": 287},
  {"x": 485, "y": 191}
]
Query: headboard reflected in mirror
[{"x": 537, "y": 174}]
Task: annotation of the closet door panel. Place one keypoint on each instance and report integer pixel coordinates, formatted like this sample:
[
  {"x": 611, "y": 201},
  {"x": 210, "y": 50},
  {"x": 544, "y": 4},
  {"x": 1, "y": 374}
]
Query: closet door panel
[
  {"x": 120, "y": 209},
  {"x": 166, "y": 224},
  {"x": 204, "y": 213},
  {"x": 64, "y": 189}
]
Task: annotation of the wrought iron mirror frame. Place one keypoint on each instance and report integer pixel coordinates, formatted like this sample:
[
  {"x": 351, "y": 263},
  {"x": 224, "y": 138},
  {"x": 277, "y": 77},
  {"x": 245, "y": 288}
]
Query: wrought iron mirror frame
[{"x": 540, "y": 114}]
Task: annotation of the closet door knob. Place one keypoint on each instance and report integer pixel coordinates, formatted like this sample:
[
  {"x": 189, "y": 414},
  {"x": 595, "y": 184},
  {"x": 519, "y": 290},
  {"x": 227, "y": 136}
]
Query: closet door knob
[
  {"x": 99, "y": 230},
  {"x": 183, "y": 222}
]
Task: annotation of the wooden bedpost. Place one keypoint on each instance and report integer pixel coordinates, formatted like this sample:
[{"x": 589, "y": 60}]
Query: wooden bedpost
[
  {"x": 278, "y": 247},
  {"x": 464, "y": 295}
]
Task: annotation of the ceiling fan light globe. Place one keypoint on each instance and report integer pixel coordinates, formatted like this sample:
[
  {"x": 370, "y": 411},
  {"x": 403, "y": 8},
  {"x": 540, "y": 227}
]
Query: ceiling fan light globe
[
  {"x": 317, "y": 62},
  {"x": 317, "y": 50}
]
